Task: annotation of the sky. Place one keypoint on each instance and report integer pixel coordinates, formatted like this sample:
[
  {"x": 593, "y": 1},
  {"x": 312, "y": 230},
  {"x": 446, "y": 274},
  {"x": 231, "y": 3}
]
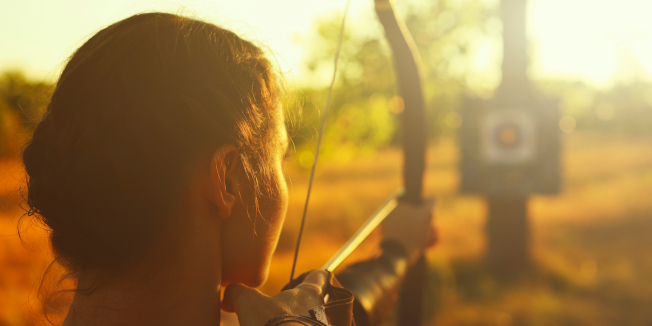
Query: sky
[
  {"x": 584, "y": 40},
  {"x": 595, "y": 40}
]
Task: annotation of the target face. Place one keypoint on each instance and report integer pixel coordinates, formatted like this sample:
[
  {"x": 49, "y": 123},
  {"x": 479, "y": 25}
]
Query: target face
[
  {"x": 508, "y": 137},
  {"x": 510, "y": 146}
]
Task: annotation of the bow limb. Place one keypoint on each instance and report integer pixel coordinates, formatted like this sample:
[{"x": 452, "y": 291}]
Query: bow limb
[
  {"x": 406, "y": 59},
  {"x": 414, "y": 147},
  {"x": 414, "y": 128}
]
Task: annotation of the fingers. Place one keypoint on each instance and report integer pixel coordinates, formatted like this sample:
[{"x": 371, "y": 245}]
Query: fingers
[
  {"x": 426, "y": 204},
  {"x": 313, "y": 287},
  {"x": 429, "y": 208},
  {"x": 314, "y": 283},
  {"x": 316, "y": 277},
  {"x": 255, "y": 308},
  {"x": 429, "y": 203},
  {"x": 236, "y": 293},
  {"x": 426, "y": 209},
  {"x": 433, "y": 233},
  {"x": 433, "y": 237}
]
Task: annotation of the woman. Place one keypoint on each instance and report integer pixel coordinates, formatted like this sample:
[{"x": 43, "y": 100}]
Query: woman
[{"x": 158, "y": 169}]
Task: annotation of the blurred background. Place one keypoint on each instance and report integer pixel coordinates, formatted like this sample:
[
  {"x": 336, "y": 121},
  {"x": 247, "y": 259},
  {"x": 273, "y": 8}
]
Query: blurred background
[{"x": 582, "y": 228}]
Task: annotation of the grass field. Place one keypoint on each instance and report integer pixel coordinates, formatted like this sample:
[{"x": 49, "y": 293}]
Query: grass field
[{"x": 590, "y": 245}]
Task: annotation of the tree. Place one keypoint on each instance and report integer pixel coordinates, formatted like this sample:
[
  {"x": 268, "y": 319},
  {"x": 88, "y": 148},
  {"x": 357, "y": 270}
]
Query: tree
[
  {"x": 449, "y": 35},
  {"x": 22, "y": 103}
]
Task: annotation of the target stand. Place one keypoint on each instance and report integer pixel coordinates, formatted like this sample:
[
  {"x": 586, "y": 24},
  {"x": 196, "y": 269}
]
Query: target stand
[
  {"x": 510, "y": 148},
  {"x": 509, "y": 151}
]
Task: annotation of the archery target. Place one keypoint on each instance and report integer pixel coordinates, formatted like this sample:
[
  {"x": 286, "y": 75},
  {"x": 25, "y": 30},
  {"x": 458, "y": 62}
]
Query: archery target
[{"x": 508, "y": 137}]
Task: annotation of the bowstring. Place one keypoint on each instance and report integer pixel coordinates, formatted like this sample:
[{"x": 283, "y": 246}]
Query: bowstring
[{"x": 321, "y": 134}]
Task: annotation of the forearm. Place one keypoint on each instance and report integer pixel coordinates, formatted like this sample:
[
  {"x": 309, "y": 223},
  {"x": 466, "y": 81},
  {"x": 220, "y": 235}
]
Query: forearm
[{"x": 375, "y": 283}]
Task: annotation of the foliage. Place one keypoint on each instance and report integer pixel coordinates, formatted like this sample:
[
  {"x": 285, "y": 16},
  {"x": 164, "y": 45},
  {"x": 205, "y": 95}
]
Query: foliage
[
  {"x": 21, "y": 103},
  {"x": 365, "y": 108},
  {"x": 624, "y": 109},
  {"x": 452, "y": 36}
]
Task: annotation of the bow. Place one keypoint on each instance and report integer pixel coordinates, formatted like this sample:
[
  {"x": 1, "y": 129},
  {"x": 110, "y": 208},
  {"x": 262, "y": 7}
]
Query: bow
[{"x": 414, "y": 147}]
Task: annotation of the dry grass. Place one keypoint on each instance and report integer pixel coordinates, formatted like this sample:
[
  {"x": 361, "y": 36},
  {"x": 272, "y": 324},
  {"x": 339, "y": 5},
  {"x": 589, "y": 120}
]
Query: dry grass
[{"x": 591, "y": 244}]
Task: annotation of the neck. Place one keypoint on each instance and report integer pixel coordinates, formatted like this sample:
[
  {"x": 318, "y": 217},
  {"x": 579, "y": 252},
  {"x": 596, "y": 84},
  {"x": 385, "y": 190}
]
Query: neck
[{"x": 180, "y": 291}]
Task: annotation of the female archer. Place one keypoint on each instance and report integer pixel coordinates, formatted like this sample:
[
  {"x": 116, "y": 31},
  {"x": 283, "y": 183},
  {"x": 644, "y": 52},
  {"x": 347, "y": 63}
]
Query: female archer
[{"x": 158, "y": 169}]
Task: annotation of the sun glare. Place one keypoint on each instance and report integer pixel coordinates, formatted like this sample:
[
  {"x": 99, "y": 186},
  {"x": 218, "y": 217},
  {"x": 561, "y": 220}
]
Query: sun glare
[{"x": 601, "y": 41}]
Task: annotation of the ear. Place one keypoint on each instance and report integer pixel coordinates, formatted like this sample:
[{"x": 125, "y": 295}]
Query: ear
[{"x": 224, "y": 178}]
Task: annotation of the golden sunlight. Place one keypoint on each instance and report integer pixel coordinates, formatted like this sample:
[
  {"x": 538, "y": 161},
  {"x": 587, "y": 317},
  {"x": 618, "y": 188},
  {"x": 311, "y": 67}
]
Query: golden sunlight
[{"x": 598, "y": 41}]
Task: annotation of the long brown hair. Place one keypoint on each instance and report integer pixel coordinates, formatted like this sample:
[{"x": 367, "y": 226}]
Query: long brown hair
[{"x": 134, "y": 108}]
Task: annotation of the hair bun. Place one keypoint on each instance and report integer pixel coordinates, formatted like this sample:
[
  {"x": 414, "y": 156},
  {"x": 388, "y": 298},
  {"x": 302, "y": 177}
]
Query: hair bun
[{"x": 43, "y": 172}]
